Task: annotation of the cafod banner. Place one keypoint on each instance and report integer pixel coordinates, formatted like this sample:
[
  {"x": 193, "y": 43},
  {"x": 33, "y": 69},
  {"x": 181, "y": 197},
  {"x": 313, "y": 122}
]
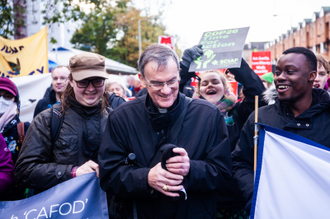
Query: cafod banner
[
  {"x": 222, "y": 49},
  {"x": 80, "y": 197},
  {"x": 28, "y": 56}
]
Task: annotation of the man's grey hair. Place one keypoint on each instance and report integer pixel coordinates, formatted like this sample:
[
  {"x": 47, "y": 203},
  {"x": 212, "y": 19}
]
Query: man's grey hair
[{"x": 157, "y": 53}]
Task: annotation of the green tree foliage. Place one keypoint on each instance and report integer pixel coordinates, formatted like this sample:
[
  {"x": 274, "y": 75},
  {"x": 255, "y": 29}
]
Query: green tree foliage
[
  {"x": 97, "y": 30},
  {"x": 126, "y": 49},
  {"x": 72, "y": 10},
  {"x": 120, "y": 41}
]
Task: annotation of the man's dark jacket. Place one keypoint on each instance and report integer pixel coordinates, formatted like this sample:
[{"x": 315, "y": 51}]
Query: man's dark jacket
[
  {"x": 46, "y": 102},
  {"x": 137, "y": 127},
  {"x": 313, "y": 124},
  {"x": 230, "y": 196}
]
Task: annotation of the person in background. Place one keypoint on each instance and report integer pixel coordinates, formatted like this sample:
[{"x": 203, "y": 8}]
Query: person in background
[
  {"x": 9, "y": 116},
  {"x": 60, "y": 76},
  {"x": 43, "y": 164},
  {"x": 9, "y": 128},
  {"x": 267, "y": 79},
  {"x": 130, "y": 84},
  {"x": 323, "y": 68},
  {"x": 213, "y": 87},
  {"x": 116, "y": 88},
  {"x": 7, "y": 180}
]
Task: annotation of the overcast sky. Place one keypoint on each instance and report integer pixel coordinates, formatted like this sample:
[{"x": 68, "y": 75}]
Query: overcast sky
[{"x": 190, "y": 18}]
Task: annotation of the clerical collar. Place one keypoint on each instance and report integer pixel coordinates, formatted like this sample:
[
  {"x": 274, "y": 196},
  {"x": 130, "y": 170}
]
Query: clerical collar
[{"x": 162, "y": 110}]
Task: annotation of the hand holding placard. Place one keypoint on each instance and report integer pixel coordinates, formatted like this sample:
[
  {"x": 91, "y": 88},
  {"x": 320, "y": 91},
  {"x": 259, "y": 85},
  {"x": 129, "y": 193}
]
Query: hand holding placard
[
  {"x": 191, "y": 54},
  {"x": 222, "y": 49}
]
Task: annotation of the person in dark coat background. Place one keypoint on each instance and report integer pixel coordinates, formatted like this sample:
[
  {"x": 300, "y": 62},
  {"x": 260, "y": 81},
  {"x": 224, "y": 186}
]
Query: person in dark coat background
[
  {"x": 298, "y": 109},
  {"x": 143, "y": 126},
  {"x": 54, "y": 93}
]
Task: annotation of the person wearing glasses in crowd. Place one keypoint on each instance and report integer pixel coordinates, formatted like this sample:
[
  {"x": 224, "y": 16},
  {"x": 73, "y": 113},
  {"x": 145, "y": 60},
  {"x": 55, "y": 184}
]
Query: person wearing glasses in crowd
[
  {"x": 43, "y": 164},
  {"x": 54, "y": 93},
  {"x": 179, "y": 144}
]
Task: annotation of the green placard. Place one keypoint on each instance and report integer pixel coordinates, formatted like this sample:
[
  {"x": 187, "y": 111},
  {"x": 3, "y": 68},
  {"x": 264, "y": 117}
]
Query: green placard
[{"x": 222, "y": 49}]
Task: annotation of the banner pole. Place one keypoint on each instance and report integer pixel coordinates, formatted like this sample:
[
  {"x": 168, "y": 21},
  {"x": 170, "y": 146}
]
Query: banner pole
[{"x": 256, "y": 99}]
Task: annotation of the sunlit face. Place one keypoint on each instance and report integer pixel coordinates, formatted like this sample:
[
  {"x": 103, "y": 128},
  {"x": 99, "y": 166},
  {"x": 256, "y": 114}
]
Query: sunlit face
[
  {"x": 165, "y": 96},
  {"x": 89, "y": 96},
  {"x": 60, "y": 79},
  {"x": 293, "y": 78},
  {"x": 211, "y": 87},
  {"x": 117, "y": 89},
  {"x": 321, "y": 77}
]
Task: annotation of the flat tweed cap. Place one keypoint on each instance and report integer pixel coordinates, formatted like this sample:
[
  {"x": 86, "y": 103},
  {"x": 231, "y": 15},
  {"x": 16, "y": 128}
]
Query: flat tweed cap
[{"x": 87, "y": 65}]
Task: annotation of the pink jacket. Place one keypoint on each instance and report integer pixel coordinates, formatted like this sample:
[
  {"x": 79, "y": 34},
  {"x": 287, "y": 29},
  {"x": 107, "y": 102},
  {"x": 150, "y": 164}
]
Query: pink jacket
[{"x": 6, "y": 167}]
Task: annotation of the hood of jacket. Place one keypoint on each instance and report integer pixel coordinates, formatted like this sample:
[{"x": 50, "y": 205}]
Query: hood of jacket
[{"x": 270, "y": 95}]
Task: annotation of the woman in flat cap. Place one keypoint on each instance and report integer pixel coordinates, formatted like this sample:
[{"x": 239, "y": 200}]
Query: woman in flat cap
[{"x": 46, "y": 159}]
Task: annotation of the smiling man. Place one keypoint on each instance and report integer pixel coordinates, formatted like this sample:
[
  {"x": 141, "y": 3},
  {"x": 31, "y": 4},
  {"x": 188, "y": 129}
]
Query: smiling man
[
  {"x": 146, "y": 185},
  {"x": 60, "y": 76},
  {"x": 298, "y": 109}
]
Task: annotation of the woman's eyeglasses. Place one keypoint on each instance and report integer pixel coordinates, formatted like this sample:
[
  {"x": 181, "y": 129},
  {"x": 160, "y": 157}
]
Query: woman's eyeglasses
[{"x": 85, "y": 83}]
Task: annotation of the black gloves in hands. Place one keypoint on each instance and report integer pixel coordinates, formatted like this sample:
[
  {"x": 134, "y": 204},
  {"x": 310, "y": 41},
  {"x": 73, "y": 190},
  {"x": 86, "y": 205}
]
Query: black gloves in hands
[
  {"x": 191, "y": 54},
  {"x": 167, "y": 153}
]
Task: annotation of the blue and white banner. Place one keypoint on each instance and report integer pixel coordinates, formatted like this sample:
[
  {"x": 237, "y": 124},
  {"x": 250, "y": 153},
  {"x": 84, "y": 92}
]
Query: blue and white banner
[
  {"x": 292, "y": 178},
  {"x": 80, "y": 197}
]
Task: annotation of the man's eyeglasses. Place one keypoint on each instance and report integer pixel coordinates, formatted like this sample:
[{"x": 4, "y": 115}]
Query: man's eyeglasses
[
  {"x": 99, "y": 82},
  {"x": 159, "y": 85}
]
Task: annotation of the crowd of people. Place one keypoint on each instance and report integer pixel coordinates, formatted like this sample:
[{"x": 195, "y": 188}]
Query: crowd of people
[{"x": 193, "y": 147}]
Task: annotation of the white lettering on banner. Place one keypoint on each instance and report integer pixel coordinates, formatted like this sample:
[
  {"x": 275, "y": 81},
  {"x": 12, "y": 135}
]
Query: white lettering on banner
[
  {"x": 77, "y": 207},
  {"x": 51, "y": 210},
  {"x": 62, "y": 206},
  {"x": 260, "y": 67},
  {"x": 74, "y": 207},
  {"x": 43, "y": 210},
  {"x": 260, "y": 58},
  {"x": 264, "y": 58},
  {"x": 260, "y": 63},
  {"x": 26, "y": 216},
  {"x": 260, "y": 71}
]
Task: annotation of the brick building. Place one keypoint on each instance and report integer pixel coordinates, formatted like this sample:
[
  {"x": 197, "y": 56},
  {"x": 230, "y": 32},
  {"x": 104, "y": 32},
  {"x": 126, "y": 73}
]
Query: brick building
[{"x": 313, "y": 34}]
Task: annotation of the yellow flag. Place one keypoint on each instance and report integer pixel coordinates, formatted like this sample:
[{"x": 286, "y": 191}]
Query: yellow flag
[{"x": 28, "y": 56}]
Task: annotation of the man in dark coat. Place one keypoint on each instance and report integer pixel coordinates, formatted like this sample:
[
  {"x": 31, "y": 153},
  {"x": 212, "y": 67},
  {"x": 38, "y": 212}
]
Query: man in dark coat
[
  {"x": 298, "y": 109},
  {"x": 147, "y": 185}
]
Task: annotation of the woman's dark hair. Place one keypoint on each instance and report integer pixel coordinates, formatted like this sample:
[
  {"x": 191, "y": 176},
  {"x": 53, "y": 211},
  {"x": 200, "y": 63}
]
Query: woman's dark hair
[{"x": 69, "y": 92}]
